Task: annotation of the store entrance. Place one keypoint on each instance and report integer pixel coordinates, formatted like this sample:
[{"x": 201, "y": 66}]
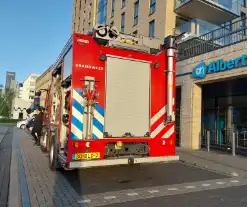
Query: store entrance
[{"x": 224, "y": 111}]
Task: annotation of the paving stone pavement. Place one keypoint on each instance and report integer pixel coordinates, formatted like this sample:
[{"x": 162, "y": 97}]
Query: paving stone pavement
[
  {"x": 51, "y": 188},
  {"x": 45, "y": 187},
  {"x": 160, "y": 191},
  {"x": 226, "y": 197}
]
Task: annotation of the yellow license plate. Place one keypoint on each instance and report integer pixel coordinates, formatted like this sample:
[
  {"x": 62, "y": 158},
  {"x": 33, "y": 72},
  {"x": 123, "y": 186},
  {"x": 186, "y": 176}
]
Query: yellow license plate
[
  {"x": 118, "y": 145},
  {"x": 87, "y": 156}
]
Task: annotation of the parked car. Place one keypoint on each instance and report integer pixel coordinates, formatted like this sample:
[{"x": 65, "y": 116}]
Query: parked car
[
  {"x": 27, "y": 123},
  {"x": 21, "y": 124}
]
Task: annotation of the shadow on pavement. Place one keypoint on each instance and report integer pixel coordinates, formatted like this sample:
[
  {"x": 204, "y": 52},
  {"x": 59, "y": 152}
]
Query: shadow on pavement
[{"x": 106, "y": 179}]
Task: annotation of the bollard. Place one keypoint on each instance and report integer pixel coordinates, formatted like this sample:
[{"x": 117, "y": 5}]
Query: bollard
[
  {"x": 208, "y": 140},
  {"x": 233, "y": 144},
  {"x": 237, "y": 141},
  {"x": 200, "y": 140}
]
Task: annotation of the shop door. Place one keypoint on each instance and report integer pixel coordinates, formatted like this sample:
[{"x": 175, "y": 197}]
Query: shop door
[
  {"x": 221, "y": 127},
  {"x": 208, "y": 124}
]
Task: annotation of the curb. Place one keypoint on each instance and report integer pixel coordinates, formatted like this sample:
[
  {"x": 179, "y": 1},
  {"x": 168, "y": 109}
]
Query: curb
[
  {"x": 14, "y": 199},
  {"x": 213, "y": 166},
  {"x": 205, "y": 167}
]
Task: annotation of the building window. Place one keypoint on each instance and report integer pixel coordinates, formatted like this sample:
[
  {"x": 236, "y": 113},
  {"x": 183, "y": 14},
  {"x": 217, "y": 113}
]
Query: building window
[
  {"x": 80, "y": 8},
  {"x": 151, "y": 29},
  {"x": 243, "y": 23},
  {"x": 102, "y": 12},
  {"x": 123, "y": 3},
  {"x": 112, "y": 7},
  {"x": 136, "y": 12},
  {"x": 152, "y": 6},
  {"x": 122, "y": 22},
  {"x": 243, "y": 3}
]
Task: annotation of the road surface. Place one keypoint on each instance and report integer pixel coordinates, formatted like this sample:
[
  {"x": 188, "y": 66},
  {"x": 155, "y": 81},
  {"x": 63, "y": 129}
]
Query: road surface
[
  {"x": 162, "y": 184},
  {"x": 6, "y": 135}
]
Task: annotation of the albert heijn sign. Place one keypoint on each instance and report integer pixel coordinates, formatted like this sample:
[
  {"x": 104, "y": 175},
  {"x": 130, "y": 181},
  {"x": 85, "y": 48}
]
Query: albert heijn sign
[{"x": 202, "y": 69}]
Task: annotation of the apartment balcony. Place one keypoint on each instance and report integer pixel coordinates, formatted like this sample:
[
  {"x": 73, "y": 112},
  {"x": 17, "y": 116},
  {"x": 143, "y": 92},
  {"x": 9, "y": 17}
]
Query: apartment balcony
[
  {"x": 220, "y": 37},
  {"x": 195, "y": 28},
  {"x": 212, "y": 11}
]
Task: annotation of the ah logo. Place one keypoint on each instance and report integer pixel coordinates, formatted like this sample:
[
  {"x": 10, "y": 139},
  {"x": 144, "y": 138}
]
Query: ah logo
[{"x": 200, "y": 71}]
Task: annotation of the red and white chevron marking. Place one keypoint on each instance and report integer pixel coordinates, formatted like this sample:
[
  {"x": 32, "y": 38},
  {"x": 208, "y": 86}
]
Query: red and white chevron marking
[
  {"x": 158, "y": 128},
  {"x": 169, "y": 132}
]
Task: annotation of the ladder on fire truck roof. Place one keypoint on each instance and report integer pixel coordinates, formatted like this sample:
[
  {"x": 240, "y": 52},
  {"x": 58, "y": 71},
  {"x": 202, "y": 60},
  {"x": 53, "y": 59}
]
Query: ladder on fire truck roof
[{"x": 110, "y": 36}]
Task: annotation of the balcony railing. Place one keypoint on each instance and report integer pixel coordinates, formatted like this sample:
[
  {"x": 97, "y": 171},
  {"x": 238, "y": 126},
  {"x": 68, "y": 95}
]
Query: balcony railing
[
  {"x": 195, "y": 27},
  {"x": 224, "y": 36},
  {"x": 213, "y": 11}
]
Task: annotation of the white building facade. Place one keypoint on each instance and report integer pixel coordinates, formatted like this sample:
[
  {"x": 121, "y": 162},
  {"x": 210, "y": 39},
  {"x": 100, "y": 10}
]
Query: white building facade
[
  {"x": 28, "y": 89},
  {"x": 24, "y": 97},
  {"x": 19, "y": 107}
]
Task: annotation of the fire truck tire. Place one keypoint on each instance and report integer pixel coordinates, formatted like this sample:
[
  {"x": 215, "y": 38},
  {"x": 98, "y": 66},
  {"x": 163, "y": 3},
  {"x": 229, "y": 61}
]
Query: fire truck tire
[
  {"x": 53, "y": 155},
  {"x": 44, "y": 139}
]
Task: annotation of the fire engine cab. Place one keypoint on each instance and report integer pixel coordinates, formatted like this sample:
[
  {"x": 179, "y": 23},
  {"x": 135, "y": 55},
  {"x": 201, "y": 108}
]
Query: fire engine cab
[{"x": 112, "y": 101}]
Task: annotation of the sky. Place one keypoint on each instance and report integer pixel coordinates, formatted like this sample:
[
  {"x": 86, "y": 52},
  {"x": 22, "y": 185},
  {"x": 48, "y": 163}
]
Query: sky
[{"x": 32, "y": 34}]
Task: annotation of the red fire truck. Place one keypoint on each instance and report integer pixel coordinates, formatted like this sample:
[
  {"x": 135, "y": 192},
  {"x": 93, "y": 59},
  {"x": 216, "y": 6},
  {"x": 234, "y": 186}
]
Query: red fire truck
[{"x": 111, "y": 101}]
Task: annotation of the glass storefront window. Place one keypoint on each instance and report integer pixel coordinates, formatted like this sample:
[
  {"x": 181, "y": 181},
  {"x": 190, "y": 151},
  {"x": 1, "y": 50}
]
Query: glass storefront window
[
  {"x": 243, "y": 3},
  {"x": 224, "y": 115},
  {"x": 102, "y": 11}
]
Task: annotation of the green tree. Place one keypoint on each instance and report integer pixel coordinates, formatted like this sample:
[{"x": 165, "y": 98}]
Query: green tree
[{"x": 6, "y": 100}]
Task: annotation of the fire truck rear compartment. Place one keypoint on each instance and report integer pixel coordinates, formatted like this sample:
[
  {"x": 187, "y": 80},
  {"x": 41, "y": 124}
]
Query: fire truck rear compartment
[
  {"x": 127, "y": 107},
  {"x": 128, "y": 149}
]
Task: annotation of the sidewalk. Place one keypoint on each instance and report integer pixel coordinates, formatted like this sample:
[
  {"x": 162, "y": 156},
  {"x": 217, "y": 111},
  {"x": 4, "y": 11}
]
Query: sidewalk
[
  {"x": 39, "y": 186},
  {"x": 216, "y": 161}
]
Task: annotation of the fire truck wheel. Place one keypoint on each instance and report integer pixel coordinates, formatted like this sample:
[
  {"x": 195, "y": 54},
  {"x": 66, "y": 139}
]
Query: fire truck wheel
[{"x": 53, "y": 155}]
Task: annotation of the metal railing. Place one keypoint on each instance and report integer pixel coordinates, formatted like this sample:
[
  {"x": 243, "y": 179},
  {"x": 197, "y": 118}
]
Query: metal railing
[
  {"x": 229, "y": 34},
  {"x": 236, "y": 141},
  {"x": 196, "y": 27}
]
